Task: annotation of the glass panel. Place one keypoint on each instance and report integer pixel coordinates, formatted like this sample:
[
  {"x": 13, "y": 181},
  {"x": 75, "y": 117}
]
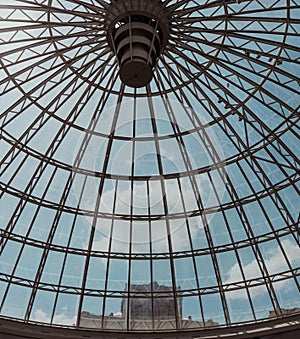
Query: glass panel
[
  {"x": 16, "y": 301},
  {"x": 29, "y": 262},
  {"x": 179, "y": 235},
  {"x": 140, "y": 236},
  {"x": 273, "y": 257},
  {"x": 239, "y": 306},
  {"x": 117, "y": 275},
  {"x": 66, "y": 309},
  {"x": 198, "y": 233},
  {"x": 185, "y": 274},
  {"x": 114, "y": 310},
  {"x": 159, "y": 236},
  {"x": 42, "y": 224},
  {"x": 81, "y": 232},
  {"x": 291, "y": 250},
  {"x": 43, "y": 306},
  {"x": 191, "y": 313},
  {"x": 287, "y": 293},
  {"x": 140, "y": 272},
  {"x": 73, "y": 270},
  {"x": 9, "y": 257},
  {"x": 229, "y": 267},
  {"x": 261, "y": 301},
  {"x": 212, "y": 310},
  {"x": 162, "y": 272},
  {"x": 218, "y": 230},
  {"x": 91, "y": 315},
  {"x": 96, "y": 273},
  {"x": 206, "y": 272},
  {"x": 53, "y": 267}
]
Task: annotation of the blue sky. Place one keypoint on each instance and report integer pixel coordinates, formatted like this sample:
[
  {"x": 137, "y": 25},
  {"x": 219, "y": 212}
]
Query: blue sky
[{"x": 189, "y": 147}]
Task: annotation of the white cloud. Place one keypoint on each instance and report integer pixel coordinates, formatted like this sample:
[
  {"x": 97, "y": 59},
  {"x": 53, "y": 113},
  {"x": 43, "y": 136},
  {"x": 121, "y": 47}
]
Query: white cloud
[
  {"x": 62, "y": 318},
  {"x": 140, "y": 207},
  {"x": 275, "y": 263},
  {"x": 41, "y": 316}
]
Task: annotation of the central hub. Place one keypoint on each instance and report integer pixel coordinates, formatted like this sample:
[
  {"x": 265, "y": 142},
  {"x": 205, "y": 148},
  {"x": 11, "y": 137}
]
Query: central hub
[{"x": 137, "y": 33}]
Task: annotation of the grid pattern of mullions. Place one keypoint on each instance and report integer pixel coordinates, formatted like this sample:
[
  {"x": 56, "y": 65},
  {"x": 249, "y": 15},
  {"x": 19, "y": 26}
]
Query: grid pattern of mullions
[{"x": 181, "y": 198}]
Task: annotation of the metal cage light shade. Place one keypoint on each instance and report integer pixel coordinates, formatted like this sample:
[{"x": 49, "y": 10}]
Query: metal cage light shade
[
  {"x": 137, "y": 33},
  {"x": 149, "y": 163}
]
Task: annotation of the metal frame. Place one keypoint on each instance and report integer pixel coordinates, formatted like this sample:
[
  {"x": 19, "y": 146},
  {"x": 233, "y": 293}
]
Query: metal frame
[
  {"x": 286, "y": 328},
  {"x": 229, "y": 60}
]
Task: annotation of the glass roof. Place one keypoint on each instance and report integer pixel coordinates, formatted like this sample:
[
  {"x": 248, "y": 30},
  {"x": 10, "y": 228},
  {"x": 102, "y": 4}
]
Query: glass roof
[{"x": 169, "y": 207}]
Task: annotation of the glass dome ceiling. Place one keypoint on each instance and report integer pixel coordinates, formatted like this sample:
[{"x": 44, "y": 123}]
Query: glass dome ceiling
[{"x": 167, "y": 207}]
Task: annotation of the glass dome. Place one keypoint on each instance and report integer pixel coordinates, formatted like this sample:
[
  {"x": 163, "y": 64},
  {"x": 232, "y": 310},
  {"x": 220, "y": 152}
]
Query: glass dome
[{"x": 165, "y": 199}]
